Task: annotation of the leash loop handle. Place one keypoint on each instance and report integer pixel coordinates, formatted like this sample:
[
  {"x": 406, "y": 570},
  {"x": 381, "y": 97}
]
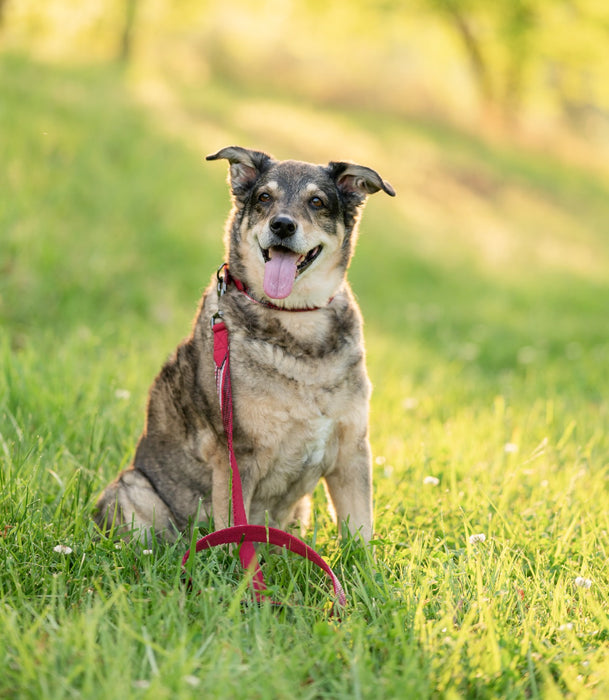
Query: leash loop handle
[{"x": 248, "y": 534}]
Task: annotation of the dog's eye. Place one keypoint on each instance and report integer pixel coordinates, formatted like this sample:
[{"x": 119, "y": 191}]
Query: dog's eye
[
  {"x": 316, "y": 202},
  {"x": 264, "y": 197}
]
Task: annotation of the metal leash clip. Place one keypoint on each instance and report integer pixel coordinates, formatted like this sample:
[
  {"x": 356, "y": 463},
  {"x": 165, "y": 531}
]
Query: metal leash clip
[
  {"x": 216, "y": 318},
  {"x": 223, "y": 280}
]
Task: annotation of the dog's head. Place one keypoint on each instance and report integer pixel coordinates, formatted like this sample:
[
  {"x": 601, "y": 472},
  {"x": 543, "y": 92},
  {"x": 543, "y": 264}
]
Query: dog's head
[{"x": 293, "y": 225}]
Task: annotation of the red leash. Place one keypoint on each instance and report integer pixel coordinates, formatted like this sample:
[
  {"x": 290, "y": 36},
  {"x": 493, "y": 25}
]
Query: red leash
[{"x": 242, "y": 533}]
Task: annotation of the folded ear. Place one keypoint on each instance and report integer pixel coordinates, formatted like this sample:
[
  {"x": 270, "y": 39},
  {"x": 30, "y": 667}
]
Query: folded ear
[
  {"x": 246, "y": 166},
  {"x": 357, "y": 179}
]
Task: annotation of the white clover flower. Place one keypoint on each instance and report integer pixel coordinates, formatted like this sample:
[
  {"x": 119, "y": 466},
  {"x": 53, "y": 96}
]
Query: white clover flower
[
  {"x": 141, "y": 684},
  {"x": 146, "y": 552},
  {"x": 431, "y": 480},
  {"x": 122, "y": 394},
  {"x": 480, "y": 537},
  {"x": 582, "y": 582},
  {"x": 510, "y": 447},
  {"x": 118, "y": 545},
  {"x": 62, "y": 549},
  {"x": 380, "y": 460}
]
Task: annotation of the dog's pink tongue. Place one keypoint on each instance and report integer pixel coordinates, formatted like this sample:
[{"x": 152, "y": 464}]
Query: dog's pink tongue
[{"x": 280, "y": 273}]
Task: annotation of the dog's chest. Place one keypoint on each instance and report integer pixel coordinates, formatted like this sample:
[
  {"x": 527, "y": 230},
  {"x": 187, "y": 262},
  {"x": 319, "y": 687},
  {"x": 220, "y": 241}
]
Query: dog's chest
[
  {"x": 291, "y": 456},
  {"x": 320, "y": 432},
  {"x": 288, "y": 413},
  {"x": 288, "y": 420},
  {"x": 295, "y": 386}
]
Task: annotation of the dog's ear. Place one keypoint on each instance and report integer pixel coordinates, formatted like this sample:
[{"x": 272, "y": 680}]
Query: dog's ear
[
  {"x": 352, "y": 179},
  {"x": 246, "y": 166}
]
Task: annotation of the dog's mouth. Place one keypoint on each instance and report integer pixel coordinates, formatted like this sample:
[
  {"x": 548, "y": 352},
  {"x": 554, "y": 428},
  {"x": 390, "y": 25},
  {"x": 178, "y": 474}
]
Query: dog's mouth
[{"x": 282, "y": 266}]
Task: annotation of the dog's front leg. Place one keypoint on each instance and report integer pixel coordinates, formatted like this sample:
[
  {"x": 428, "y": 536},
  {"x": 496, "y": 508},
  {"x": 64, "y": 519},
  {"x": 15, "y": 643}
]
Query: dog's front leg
[
  {"x": 220, "y": 494},
  {"x": 350, "y": 484}
]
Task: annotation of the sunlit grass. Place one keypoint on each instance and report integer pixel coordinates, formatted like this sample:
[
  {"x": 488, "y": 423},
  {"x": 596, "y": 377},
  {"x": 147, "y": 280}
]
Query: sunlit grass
[{"x": 489, "y": 417}]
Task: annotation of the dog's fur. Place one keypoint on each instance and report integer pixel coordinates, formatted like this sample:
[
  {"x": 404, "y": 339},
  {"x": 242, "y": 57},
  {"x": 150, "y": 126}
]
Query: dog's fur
[{"x": 300, "y": 388}]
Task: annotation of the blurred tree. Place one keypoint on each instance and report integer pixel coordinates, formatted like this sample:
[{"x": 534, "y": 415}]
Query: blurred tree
[
  {"x": 497, "y": 38},
  {"x": 517, "y": 27},
  {"x": 507, "y": 59},
  {"x": 126, "y": 40},
  {"x": 461, "y": 16},
  {"x": 3, "y": 4}
]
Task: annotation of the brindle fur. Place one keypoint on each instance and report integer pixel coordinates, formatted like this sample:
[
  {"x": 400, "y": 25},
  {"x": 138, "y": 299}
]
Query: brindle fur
[{"x": 300, "y": 388}]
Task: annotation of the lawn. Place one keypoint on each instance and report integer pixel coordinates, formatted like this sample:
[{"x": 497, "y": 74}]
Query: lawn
[{"x": 485, "y": 292}]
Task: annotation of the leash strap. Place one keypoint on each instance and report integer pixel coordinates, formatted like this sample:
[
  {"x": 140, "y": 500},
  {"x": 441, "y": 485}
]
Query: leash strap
[
  {"x": 241, "y": 532},
  {"x": 247, "y": 553}
]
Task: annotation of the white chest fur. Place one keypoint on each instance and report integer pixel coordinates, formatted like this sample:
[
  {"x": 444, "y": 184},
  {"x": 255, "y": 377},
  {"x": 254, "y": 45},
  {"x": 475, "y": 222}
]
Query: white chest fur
[{"x": 320, "y": 431}]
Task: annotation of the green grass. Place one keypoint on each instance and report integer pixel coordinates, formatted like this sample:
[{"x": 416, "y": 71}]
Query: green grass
[{"x": 109, "y": 230}]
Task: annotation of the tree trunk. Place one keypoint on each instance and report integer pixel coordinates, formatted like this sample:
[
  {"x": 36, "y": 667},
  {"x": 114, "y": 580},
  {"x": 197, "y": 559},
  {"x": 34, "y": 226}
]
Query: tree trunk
[
  {"x": 474, "y": 53},
  {"x": 126, "y": 41},
  {"x": 3, "y": 4}
]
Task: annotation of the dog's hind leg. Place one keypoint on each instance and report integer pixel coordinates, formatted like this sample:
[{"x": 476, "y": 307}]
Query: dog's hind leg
[
  {"x": 131, "y": 507},
  {"x": 300, "y": 516}
]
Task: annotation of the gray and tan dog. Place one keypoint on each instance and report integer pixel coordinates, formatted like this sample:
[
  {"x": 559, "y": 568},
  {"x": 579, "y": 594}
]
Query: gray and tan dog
[{"x": 300, "y": 388}]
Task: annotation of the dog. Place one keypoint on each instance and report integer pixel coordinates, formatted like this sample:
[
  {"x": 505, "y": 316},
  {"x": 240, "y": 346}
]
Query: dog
[{"x": 300, "y": 387}]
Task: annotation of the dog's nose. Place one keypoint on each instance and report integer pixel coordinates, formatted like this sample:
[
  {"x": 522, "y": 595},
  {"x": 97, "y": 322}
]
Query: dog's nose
[{"x": 283, "y": 226}]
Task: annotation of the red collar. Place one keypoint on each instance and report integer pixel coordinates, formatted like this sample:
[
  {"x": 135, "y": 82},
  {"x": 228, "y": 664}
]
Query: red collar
[{"x": 225, "y": 278}]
